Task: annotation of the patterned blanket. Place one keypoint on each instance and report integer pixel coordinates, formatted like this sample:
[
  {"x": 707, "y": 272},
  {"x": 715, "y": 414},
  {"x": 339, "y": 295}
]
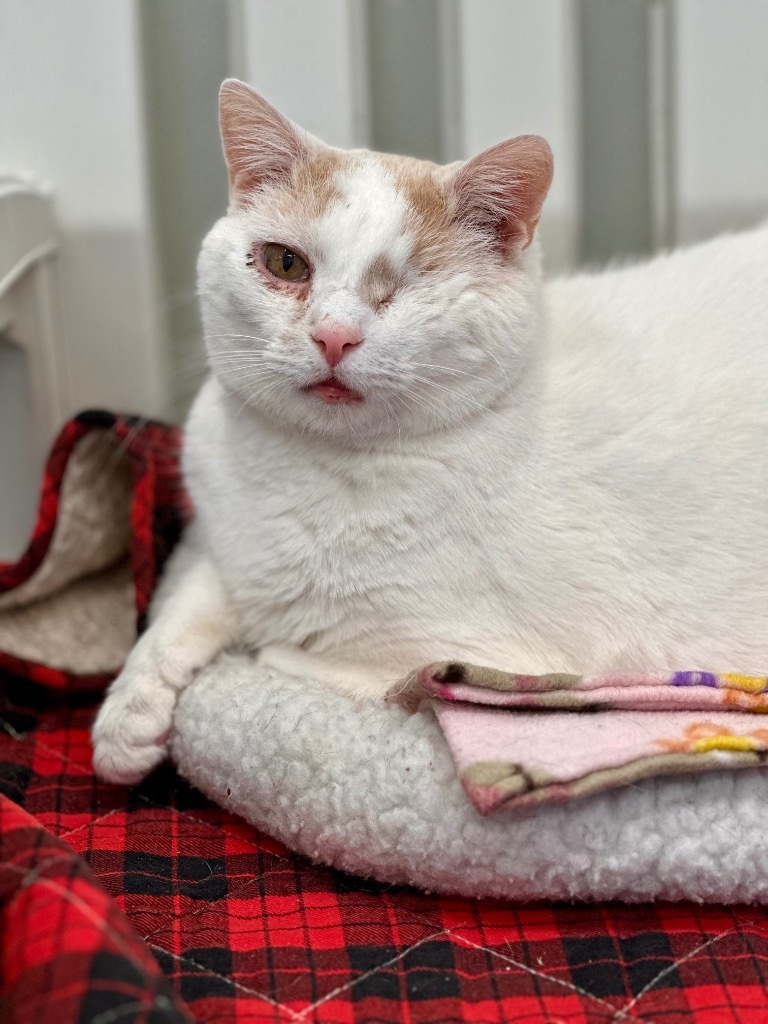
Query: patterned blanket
[{"x": 569, "y": 736}]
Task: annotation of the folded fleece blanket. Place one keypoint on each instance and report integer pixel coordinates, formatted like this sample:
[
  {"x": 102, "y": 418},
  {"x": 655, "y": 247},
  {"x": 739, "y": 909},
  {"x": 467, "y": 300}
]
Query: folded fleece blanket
[
  {"x": 113, "y": 506},
  {"x": 523, "y": 740}
]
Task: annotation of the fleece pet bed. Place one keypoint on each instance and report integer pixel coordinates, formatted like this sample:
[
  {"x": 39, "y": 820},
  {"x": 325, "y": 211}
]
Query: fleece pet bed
[{"x": 245, "y": 929}]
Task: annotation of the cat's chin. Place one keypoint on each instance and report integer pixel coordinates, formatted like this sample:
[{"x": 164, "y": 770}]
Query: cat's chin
[{"x": 334, "y": 392}]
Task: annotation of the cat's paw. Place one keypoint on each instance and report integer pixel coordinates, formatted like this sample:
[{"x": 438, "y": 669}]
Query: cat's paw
[
  {"x": 193, "y": 623},
  {"x": 130, "y": 734}
]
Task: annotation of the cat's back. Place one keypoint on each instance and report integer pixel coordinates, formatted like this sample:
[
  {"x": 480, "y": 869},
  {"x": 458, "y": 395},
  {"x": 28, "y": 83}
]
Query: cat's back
[
  {"x": 653, "y": 462},
  {"x": 698, "y": 314}
]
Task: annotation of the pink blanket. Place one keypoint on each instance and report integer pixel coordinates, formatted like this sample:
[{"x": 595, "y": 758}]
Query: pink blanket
[{"x": 523, "y": 740}]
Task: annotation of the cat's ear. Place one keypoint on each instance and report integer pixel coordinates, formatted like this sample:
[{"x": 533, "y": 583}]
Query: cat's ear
[
  {"x": 502, "y": 190},
  {"x": 260, "y": 145}
]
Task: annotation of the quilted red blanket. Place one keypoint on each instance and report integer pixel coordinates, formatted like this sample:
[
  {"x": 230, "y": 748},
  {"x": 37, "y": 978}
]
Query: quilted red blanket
[{"x": 151, "y": 904}]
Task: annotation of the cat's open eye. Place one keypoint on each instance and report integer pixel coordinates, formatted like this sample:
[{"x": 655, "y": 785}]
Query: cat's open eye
[{"x": 284, "y": 263}]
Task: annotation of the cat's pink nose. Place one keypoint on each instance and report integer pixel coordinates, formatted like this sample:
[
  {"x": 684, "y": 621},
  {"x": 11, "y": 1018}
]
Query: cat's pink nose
[{"x": 336, "y": 341}]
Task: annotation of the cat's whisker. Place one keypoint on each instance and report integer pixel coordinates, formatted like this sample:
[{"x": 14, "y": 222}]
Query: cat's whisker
[
  {"x": 415, "y": 397},
  {"x": 391, "y": 416},
  {"x": 251, "y": 395},
  {"x": 498, "y": 363},
  {"x": 263, "y": 392},
  {"x": 248, "y": 379},
  {"x": 246, "y": 365},
  {"x": 244, "y": 337},
  {"x": 244, "y": 353},
  {"x": 253, "y": 357},
  {"x": 245, "y": 371},
  {"x": 257, "y": 355},
  {"x": 450, "y": 369},
  {"x": 279, "y": 360},
  {"x": 457, "y": 373},
  {"x": 448, "y": 391}
]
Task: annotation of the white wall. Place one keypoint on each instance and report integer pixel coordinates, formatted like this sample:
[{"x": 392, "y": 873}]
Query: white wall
[
  {"x": 307, "y": 57},
  {"x": 517, "y": 67},
  {"x": 20, "y": 461},
  {"x": 70, "y": 83},
  {"x": 722, "y": 115}
]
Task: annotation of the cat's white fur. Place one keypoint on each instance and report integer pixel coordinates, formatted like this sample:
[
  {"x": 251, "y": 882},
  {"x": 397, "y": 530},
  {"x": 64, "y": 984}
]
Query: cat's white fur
[{"x": 561, "y": 477}]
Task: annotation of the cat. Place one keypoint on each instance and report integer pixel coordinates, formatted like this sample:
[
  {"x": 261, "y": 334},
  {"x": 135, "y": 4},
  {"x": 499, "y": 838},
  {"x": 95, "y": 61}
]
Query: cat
[{"x": 410, "y": 448}]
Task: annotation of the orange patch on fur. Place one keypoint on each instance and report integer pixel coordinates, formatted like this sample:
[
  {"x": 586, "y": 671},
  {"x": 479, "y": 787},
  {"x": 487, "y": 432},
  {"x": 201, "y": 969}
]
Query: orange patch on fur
[
  {"x": 311, "y": 185},
  {"x": 437, "y": 239},
  {"x": 313, "y": 182}
]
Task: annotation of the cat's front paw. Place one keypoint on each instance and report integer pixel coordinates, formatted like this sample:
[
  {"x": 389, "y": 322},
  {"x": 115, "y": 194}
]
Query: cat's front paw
[{"x": 130, "y": 734}]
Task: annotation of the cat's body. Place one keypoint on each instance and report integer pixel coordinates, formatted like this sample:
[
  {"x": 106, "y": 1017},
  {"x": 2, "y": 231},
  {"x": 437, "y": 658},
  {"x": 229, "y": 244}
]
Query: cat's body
[
  {"x": 575, "y": 480},
  {"x": 616, "y": 518}
]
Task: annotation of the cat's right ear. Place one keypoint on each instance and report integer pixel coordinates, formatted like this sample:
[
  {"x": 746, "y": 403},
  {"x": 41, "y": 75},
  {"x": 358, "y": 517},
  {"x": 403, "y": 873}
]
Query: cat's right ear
[{"x": 260, "y": 145}]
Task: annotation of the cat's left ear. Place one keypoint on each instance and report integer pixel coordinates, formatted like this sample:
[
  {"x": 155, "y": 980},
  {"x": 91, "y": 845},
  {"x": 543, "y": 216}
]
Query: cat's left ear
[{"x": 501, "y": 191}]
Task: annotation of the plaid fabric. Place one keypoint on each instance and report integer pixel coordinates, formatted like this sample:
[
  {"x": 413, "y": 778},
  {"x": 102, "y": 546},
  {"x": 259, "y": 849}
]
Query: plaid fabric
[
  {"x": 159, "y": 507},
  {"x": 248, "y": 932},
  {"x": 68, "y": 954}
]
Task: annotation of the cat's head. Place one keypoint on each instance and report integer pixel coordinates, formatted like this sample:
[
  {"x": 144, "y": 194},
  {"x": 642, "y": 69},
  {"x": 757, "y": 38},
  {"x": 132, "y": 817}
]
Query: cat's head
[{"x": 357, "y": 295}]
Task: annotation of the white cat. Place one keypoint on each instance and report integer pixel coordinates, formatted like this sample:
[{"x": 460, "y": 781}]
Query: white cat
[{"x": 409, "y": 449}]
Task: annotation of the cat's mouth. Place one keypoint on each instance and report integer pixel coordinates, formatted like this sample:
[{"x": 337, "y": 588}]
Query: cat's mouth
[{"x": 333, "y": 391}]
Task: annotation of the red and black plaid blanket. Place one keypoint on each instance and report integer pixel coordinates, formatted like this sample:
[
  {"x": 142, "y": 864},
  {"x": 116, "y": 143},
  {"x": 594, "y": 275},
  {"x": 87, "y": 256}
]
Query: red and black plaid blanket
[{"x": 151, "y": 903}]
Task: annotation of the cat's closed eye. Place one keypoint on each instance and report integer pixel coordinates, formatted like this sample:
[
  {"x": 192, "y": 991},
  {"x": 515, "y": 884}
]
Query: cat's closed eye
[{"x": 285, "y": 264}]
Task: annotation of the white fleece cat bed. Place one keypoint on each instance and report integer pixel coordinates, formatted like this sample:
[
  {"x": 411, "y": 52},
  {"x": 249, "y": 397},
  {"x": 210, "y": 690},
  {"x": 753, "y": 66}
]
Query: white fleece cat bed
[{"x": 371, "y": 789}]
